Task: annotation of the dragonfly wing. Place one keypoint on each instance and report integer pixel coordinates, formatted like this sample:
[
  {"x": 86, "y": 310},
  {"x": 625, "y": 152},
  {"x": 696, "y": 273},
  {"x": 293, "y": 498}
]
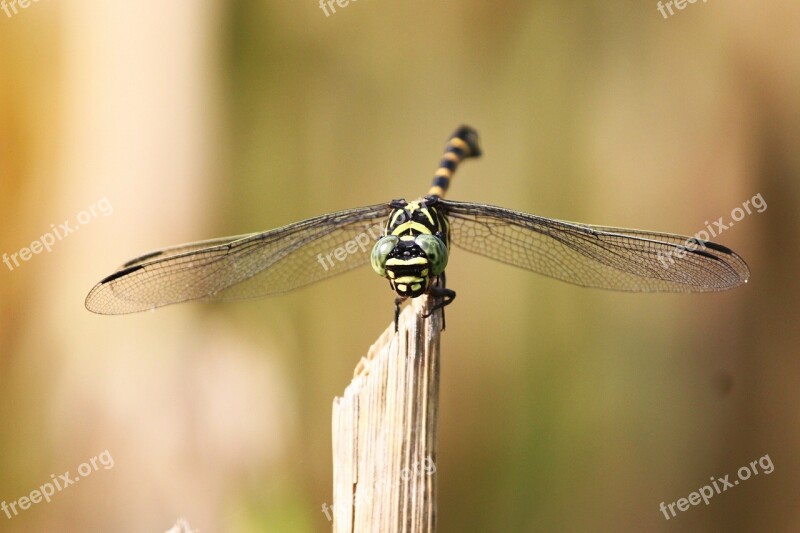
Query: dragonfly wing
[
  {"x": 594, "y": 256},
  {"x": 246, "y": 266},
  {"x": 164, "y": 253}
]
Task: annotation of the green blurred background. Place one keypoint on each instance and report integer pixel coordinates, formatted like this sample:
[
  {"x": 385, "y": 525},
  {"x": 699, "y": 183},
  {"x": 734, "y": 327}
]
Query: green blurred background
[{"x": 562, "y": 409}]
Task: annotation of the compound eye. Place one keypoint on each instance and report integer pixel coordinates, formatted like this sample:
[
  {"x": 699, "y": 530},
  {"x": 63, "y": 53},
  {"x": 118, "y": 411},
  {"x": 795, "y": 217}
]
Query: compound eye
[
  {"x": 435, "y": 250},
  {"x": 380, "y": 253}
]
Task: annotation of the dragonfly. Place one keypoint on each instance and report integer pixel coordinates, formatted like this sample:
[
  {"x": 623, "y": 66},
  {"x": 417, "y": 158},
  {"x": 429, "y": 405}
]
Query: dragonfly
[{"x": 409, "y": 243}]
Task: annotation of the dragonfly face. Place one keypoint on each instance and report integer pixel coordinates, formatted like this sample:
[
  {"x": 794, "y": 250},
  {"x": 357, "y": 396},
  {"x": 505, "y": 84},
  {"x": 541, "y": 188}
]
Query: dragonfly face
[{"x": 414, "y": 248}]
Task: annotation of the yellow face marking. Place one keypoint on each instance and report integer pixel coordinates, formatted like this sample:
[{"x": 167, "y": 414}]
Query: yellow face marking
[
  {"x": 410, "y": 225},
  {"x": 390, "y": 273},
  {"x": 405, "y": 280},
  {"x": 413, "y": 261},
  {"x": 402, "y": 288},
  {"x": 413, "y": 206},
  {"x": 416, "y": 287},
  {"x": 407, "y": 238},
  {"x": 424, "y": 273}
]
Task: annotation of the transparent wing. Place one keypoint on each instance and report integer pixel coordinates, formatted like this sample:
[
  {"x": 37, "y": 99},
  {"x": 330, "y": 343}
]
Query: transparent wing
[
  {"x": 594, "y": 256},
  {"x": 182, "y": 249},
  {"x": 246, "y": 266}
]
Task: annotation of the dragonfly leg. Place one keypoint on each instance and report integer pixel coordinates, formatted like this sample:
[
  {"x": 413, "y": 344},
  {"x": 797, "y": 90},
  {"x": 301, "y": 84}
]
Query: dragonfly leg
[
  {"x": 397, "y": 302},
  {"x": 440, "y": 291}
]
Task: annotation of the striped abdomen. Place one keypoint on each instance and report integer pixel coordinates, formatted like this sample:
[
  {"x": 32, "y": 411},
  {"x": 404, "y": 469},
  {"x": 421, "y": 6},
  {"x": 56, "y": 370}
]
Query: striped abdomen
[{"x": 463, "y": 144}]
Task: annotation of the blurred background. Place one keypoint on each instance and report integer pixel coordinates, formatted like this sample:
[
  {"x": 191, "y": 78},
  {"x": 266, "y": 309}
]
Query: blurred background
[{"x": 146, "y": 124}]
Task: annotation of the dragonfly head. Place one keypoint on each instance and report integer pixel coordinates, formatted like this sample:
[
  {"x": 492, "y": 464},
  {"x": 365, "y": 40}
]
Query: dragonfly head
[{"x": 409, "y": 262}]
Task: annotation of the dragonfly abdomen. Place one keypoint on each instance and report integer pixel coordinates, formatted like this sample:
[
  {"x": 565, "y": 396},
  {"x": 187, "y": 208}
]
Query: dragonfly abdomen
[{"x": 462, "y": 145}]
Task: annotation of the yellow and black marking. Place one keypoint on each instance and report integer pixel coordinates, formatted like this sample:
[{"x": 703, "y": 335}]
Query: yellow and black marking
[
  {"x": 462, "y": 145},
  {"x": 412, "y": 253},
  {"x": 407, "y": 266}
]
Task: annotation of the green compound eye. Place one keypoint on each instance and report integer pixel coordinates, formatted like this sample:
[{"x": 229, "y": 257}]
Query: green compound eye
[
  {"x": 436, "y": 251},
  {"x": 381, "y": 251}
]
